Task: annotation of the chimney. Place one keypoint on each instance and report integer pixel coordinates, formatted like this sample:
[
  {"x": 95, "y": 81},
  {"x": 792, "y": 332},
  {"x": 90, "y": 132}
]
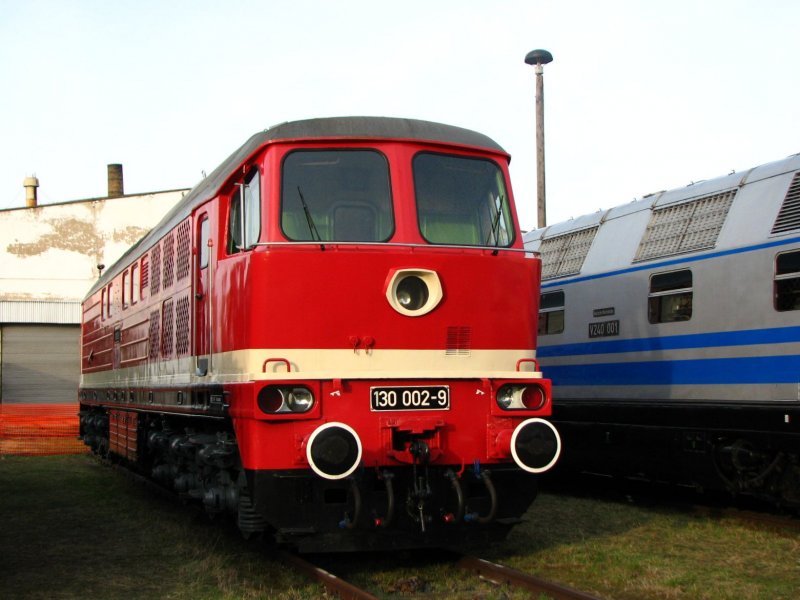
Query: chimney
[
  {"x": 30, "y": 184},
  {"x": 115, "y": 185}
]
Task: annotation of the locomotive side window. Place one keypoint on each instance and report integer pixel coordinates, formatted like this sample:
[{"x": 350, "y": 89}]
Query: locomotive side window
[
  {"x": 462, "y": 201},
  {"x": 787, "y": 281},
  {"x": 252, "y": 214},
  {"x": 336, "y": 196},
  {"x": 125, "y": 283},
  {"x": 670, "y": 297},
  {"x": 205, "y": 233},
  {"x": 551, "y": 313},
  {"x": 135, "y": 283}
]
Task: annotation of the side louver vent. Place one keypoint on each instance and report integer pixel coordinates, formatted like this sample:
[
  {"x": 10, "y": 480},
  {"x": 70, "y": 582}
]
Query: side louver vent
[
  {"x": 564, "y": 254},
  {"x": 789, "y": 215},
  {"x": 459, "y": 341},
  {"x": 685, "y": 227}
]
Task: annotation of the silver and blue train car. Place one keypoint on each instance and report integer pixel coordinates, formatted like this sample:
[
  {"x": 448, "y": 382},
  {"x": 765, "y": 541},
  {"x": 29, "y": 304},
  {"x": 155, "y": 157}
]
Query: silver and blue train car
[{"x": 670, "y": 327}]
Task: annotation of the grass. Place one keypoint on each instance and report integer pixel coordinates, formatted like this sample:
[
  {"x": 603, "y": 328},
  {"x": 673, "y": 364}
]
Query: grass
[
  {"x": 74, "y": 528},
  {"x": 632, "y": 552}
]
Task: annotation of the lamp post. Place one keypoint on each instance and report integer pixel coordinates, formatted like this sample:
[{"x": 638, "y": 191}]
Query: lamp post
[{"x": 538, "y": 58}]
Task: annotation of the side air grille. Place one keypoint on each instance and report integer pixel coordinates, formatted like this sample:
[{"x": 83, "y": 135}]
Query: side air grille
[
  {"x": 154, "y": 337},
  {"x": 182, "y": 326},
  {"x": 167, "y": 329},
  {"x": 155, "y": 262},
  {"x": 685, "y": 227},
  {"x": 169, "y": 260},
  {"x": 183, "y": 261},
  {"x": 564, "y": 254},
  {"x": 789, "y": 215}
]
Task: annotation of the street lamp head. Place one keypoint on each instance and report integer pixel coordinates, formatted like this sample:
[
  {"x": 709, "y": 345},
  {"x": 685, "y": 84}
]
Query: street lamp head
[{"x": 538, "y": 57}]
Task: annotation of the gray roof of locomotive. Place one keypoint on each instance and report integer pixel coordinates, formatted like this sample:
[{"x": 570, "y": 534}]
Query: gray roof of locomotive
[
  {"x": 345, "y": 128},
  {"x": 749, "y": 220}
]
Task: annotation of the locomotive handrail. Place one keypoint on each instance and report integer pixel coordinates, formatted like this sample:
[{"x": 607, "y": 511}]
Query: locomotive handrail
[
  {"x": 528, "y": 360},
  {"x": 96, "y": 352},
  {"x": 136, "y": 341},
  {"x": 278, "y": 360},
  {"x": 327, "y": 243}
]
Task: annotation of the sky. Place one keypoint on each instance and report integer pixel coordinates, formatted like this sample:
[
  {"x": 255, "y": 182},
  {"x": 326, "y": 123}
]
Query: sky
[{"x": 641, "y": 96}]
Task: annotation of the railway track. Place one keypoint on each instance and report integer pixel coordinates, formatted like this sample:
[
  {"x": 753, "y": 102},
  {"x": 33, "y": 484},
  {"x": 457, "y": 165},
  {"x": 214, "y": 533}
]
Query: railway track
[
  {"x": 506, "y": 575},
  {"x": 485, "y": 569},
  {"x": 489, "y": 571}
]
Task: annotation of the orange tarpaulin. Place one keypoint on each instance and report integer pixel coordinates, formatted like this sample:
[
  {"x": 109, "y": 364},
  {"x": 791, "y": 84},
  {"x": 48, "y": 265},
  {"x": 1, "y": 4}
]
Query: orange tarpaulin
[{"x": 39, "y": 429}]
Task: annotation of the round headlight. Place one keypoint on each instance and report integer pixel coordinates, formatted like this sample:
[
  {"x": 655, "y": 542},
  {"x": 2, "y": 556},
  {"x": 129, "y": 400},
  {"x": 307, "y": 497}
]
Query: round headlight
[
  {"x": 533, "y": 397},
  {"x": 505, "y": 397},
  {"x": 300, "y": 400},
  {"x": 270, "y": 399},
  {"x": 412, "y": 293}
]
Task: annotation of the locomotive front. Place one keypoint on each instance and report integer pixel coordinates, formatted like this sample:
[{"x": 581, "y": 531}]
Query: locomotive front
[
  {"x": 395, "y": 396},
  {"x": 364, "y": 322}
]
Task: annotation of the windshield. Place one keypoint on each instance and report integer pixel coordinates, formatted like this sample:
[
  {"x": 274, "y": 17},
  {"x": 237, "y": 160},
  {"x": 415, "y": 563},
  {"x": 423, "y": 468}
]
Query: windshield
[
  {"x": 336, "y": 195},
  {"x": 462, "y": 201}
]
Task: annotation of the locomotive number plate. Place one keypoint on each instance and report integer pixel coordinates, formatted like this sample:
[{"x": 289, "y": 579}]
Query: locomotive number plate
[{"x": 431, "y": 397}]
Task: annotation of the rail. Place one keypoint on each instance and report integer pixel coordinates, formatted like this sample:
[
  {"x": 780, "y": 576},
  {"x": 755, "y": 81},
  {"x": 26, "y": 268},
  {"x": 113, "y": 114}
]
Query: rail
[{"x": 503, "y": 574}]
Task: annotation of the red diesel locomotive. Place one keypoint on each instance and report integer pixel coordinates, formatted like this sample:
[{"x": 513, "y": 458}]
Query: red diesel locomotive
[{"x": 331, "y": 337}]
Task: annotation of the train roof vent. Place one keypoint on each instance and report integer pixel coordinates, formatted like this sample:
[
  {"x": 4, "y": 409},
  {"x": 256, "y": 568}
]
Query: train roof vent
[
  {"x": 789, "y": 215},
  {"x": 564, "y": 254},
  {"x": 685, "y": 227}
]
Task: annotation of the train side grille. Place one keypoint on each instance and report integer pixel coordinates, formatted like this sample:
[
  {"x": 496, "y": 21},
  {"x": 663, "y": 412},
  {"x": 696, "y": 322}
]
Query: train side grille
[
  {"x": 789, "y": 215},
  {"x": 564, "y": 254},
  {"x": 685, "y": 227}
]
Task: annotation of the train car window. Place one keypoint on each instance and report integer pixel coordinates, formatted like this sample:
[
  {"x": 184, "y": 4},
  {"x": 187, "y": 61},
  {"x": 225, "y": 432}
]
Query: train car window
[
  {"x": 108, "y": 299},
  {"x": 135, "y": 283},
  {"x": 103, "y": 304},
  {"x": 787, "y": 281},
  {"x": 551, "y": 313},
  {"x": 462, "y": 201},
  {"x": 336, "y": 196},
  {"x": 205, "y": 233},
  {"x": 252, "y": 214},
  {"x": 125, "y": 291},
  {"x": 670, "y": 297}
]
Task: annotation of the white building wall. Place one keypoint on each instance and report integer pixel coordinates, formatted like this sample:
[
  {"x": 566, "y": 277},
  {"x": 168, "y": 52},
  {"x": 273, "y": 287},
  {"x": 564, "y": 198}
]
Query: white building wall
[{"x": 50, "y": 253}]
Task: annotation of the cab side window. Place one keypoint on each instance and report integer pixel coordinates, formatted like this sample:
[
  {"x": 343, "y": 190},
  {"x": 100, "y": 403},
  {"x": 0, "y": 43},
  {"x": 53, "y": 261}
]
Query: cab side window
[
  {"x": 787, "y": 281},
  {"x": 250, "y": 220},
  {"x": 205, "y": 234}
]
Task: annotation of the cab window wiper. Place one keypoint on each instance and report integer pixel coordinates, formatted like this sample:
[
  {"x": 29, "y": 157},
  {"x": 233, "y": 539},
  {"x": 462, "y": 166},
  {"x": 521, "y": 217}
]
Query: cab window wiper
[
  {"x": 312, "y": 229},
  {"x": 495, "y": 225}
]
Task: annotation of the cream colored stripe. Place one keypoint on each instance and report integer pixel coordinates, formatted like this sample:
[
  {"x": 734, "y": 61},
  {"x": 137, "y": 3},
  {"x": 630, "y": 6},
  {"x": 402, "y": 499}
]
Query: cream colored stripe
[{"x": 265, "y": 364}]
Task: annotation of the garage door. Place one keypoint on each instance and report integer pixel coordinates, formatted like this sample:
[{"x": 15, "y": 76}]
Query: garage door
[{"x": 40, "y": 363}]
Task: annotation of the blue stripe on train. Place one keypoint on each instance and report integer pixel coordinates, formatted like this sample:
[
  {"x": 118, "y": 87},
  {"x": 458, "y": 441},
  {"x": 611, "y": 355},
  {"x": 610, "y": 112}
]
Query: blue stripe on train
[
  {"x": 778, "y": 335},
  {"x": 748, "y": 370}
]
